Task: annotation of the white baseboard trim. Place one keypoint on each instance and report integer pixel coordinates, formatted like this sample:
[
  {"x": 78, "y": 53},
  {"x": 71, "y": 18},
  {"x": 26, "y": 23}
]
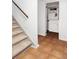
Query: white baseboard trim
[
  {"x": 63, "y": 39},
  {"x": 42, "y": 34},
  {"x": 35, "y": 46}
]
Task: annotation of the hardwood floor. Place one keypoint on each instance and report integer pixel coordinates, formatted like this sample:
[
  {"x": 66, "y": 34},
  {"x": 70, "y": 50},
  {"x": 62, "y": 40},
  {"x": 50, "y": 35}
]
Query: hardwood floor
[
  {"x": 52, "y": 35},
  {"x": 49, "y": 48}
]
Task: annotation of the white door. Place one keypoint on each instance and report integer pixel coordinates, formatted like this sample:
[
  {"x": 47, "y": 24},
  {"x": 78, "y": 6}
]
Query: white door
[{"x": 53, "y": 21}]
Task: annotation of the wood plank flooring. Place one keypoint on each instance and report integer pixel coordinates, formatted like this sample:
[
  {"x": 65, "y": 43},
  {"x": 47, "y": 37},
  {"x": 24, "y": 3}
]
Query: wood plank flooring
[{"x": 49, "y": 48}]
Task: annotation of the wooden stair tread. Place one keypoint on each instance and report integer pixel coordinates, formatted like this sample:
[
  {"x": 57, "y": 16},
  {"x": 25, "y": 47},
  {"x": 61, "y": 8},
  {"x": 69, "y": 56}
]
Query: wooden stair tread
[
  {"x": 13, "y": 21},
  {"x": 18, "y": 38},
  {"x": 20, "y": 46},
  {"x": 14, "y": 26},
  {"x": 16, "y": 31}
]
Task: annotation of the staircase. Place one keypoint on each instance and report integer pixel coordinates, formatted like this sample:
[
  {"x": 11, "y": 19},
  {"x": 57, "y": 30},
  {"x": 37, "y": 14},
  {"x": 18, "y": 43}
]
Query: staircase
[{"x": 20, "y": 40}]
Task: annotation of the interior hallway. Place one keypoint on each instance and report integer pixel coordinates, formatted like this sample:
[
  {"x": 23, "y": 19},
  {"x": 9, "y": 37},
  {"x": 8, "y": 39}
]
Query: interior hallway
[{"x": 49, "y": 48}]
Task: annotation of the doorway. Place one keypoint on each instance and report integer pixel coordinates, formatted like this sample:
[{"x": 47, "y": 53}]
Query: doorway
[{"x": 52, "y": 19}]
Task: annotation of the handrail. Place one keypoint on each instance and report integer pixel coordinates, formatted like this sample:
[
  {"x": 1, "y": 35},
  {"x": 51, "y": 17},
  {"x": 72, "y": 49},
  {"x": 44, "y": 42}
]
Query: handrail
[{"x": 20, "y": 9}]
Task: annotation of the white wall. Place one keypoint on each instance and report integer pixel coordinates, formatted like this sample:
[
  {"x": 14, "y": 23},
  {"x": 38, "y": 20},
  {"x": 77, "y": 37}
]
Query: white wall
[
  {"x": 29, "y": 25},
  {"x": 41, "y": 18},
  {"x": 63, "y": 20}
]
